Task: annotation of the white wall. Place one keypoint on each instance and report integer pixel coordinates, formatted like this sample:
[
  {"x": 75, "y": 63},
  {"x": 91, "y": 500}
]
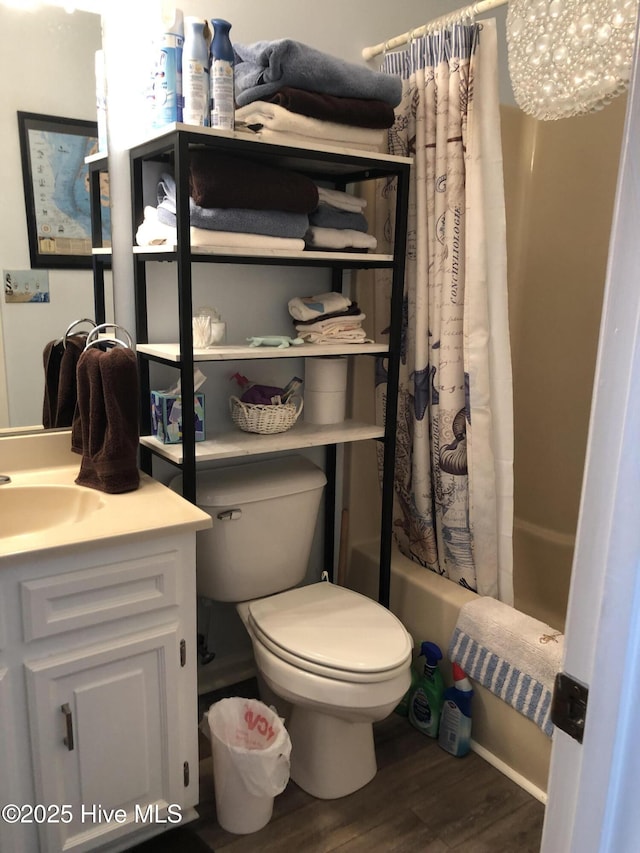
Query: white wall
[{"x": 46, "y": 65}]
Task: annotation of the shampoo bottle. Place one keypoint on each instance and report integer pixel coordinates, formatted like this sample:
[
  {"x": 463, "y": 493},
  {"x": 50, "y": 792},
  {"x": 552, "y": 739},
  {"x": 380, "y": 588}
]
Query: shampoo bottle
[
  {"x": 425, "y": 702},
  {"x": 221, "y": 76},
  {"x": 195, "y": 72},
  {"x": 455, "y": 724}
]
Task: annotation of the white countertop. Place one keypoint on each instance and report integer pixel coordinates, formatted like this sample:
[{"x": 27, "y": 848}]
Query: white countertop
[{"x": 44, "y": 459}]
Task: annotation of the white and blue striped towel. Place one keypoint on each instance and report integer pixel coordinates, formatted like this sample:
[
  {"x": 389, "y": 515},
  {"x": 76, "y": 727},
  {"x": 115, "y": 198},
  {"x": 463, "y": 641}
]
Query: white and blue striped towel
[{"x": 511, "y": 654}]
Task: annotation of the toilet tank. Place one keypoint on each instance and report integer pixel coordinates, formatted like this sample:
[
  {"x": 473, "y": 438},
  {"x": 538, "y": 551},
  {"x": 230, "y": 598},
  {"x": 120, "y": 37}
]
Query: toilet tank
[{"x": 264, "y": 517}]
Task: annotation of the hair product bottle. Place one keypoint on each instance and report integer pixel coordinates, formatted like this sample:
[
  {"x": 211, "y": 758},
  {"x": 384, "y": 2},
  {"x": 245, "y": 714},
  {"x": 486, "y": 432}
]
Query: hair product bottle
[
  {"x": 195, "y": 72},
  {"x": 222, "y": 95},
  {"x": 167, "y": 85}
]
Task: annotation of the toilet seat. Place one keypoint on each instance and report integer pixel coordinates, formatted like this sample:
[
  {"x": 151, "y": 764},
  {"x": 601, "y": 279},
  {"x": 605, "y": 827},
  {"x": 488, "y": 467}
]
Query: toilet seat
[{"x": 332, "y": 631}]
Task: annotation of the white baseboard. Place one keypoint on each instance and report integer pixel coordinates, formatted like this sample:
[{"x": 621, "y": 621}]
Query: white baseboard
[{"x": 509, "y": 772}]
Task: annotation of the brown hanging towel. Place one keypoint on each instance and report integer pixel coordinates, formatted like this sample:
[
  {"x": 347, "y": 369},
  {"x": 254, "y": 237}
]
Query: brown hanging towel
[
  {"x": 108, "y": 418},
  {"x": 60, "y": 389}
]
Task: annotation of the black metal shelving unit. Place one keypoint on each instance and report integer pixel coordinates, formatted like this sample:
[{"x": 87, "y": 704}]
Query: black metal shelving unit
[
  {"x": 338, "y": 168},
  {"x": 101, "y": 258}
]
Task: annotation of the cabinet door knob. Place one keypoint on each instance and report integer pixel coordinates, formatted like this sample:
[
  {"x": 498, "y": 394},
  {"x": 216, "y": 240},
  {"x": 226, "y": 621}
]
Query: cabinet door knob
[{"x": 68, "y": 716}]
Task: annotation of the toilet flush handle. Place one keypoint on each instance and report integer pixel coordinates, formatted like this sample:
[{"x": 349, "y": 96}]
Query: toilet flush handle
[{"x": 229, "y": 515}]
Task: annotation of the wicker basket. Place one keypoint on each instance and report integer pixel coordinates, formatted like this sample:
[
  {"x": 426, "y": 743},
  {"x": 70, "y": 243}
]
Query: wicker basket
[{"x": 253, "y": 417}]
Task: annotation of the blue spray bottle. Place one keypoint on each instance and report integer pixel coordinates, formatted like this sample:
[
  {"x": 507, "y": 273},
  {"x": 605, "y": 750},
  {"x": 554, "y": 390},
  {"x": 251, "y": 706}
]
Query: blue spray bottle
[
  {"x": 222, "y": 97},
  {"x": 455, "y": 723},
  {"x": 425, "y": 703}
]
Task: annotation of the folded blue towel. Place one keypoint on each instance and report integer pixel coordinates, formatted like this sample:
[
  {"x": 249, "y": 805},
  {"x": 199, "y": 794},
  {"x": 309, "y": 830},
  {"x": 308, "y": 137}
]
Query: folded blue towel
[
  {"x": 263, "y": 68},
  {"x": 326, "y": 216},
  {"x": 273, "y": 223}
]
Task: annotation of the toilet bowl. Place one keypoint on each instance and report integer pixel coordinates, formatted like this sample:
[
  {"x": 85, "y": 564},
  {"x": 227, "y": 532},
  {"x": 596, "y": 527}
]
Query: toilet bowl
[
  {"x": 337, "y": 660},
  {"x": 342, "y": 663}
]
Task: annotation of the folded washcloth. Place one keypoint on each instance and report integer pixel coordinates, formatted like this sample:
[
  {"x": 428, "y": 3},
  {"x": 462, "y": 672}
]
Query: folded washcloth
[
  {"x": 359, "y": 112},
  {"x": 338, "y": 238},
  {"x": 334, "y": 330},
  {"x": 220, "y": 180},
  {"x": 276, "y": 223},
  {"x": 285, "y": 137},
  {"x": 154, "y": 233},
  {"x": 108, "y": 408},
  {"x": 312, "y": 307},
  {"x": 261, "y": 115},
  {"x": 341, "y": 200},
  {"x": 349, "y": 312},
  {"x": 511, "y": 654},
  {"x": 60, "y": 388},
  {"x": 326, "y": 216},
  {"x": 264, "y": 67}
]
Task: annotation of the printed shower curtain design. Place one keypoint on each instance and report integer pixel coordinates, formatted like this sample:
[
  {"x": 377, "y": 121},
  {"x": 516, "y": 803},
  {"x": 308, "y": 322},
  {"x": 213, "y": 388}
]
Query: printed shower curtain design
[{"x": 453, "y": 507}]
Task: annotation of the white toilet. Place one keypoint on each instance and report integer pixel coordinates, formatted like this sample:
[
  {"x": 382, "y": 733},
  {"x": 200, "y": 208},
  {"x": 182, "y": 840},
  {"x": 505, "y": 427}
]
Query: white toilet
[{"x": 341, "y": 660}]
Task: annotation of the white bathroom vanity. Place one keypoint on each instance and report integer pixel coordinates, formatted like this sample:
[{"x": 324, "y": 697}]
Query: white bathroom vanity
[{"x": 98, "y": 687}]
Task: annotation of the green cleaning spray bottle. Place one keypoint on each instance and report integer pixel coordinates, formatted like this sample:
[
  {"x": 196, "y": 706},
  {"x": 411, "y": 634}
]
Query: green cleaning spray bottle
[{"x": 425, "y": 703}]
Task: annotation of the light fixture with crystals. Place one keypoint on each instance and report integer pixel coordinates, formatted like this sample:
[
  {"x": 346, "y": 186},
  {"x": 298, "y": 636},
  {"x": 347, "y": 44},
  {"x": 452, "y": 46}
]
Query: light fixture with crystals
[{"x": 568, "y": 57}]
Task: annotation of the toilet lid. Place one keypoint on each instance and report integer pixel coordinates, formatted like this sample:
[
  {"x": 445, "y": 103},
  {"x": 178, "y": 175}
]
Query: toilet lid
[{"x": 332, "y": 627}]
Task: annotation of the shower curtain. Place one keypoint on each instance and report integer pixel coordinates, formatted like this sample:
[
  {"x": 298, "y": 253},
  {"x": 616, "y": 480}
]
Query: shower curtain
[{"x": 453, "y": 500}]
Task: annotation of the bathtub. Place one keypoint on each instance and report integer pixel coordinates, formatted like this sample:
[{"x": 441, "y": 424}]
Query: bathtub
[{"x": 428, "y": 606}]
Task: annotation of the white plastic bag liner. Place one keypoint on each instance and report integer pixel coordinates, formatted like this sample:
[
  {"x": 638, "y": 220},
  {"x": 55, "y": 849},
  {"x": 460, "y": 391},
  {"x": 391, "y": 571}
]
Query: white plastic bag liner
[{"x": 251, "y": 750}]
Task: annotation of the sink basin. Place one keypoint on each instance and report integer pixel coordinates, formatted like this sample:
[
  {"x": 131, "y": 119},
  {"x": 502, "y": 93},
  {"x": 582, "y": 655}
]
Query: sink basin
[{"x": 30, "y": 509}]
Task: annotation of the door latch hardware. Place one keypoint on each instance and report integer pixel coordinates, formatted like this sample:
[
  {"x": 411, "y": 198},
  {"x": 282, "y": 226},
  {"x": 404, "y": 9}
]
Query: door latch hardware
[
  {"x": 185, "y": 774},
  {"x": 569, "y": 705},
  {"x": 183, "y": 653}
]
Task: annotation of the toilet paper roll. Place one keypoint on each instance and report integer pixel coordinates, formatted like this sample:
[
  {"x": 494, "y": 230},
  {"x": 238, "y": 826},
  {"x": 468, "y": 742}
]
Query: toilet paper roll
[
  {"x": 326, "y": 374},
  {"x": 324, "y": 407}
]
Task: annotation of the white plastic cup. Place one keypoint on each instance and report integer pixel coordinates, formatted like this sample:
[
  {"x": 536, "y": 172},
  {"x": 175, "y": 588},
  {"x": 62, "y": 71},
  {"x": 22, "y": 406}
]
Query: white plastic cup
[{"x": 237, "y": 810}]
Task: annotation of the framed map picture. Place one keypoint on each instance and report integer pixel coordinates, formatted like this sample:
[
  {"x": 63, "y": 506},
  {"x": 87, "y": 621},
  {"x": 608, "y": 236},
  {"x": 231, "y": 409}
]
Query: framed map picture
[{"x": 56, "y": 189}]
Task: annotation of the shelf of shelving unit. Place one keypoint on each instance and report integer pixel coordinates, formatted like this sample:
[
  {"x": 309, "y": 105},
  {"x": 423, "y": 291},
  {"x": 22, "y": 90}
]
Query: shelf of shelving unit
[
  {"x": 329, "y": 164},
  {"x": 235, "y": 443},
  {"x": 171, "y": 352}
]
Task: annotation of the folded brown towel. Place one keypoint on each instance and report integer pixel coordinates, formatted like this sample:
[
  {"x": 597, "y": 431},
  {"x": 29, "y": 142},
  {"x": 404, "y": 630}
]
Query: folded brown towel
[
  {"x": 357, "y": 112},
  {"x": 60, "y": 390},
  {"x": 108, "y": 407},
  {"x": 220, "y": 180}
]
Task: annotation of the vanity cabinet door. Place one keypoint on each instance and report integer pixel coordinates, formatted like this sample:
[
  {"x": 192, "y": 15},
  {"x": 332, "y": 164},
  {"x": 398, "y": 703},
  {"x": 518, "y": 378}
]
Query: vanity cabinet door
[{"x": 104, "y": 729}]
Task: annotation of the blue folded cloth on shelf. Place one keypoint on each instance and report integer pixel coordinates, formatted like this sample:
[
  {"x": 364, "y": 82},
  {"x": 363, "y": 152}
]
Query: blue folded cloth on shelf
[
  {"x": 273, "y": 223},
  {"x": 326, "y": 216},
  {"x": 264, "y": 67}
]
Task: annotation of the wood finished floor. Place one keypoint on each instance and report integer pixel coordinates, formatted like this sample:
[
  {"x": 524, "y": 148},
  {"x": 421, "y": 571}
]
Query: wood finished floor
[{"x": 422, "y": 800}]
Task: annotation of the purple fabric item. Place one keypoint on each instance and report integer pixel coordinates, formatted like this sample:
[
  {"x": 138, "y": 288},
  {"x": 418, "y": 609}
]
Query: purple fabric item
[{"x": 261, "y": 394}]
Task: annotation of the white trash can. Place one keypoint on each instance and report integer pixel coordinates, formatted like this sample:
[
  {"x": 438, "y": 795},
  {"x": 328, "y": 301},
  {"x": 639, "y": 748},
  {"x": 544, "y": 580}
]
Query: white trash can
[{"x": 251, "y": 749}]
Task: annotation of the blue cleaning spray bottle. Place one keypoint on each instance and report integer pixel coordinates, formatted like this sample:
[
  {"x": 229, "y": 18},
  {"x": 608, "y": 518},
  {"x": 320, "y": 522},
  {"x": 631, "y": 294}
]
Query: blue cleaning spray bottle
[
  {"x": 455, "y": 723},
  {"x": 425, "y": 703}
]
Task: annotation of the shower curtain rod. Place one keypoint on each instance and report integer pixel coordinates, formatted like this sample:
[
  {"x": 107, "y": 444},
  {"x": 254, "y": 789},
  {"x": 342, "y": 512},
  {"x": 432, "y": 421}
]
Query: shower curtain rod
[{"x": 452, "y": 18}]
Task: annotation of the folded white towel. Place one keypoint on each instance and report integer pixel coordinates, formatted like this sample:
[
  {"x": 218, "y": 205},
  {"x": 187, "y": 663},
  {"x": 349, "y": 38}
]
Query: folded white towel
[
  {"x": 272, "y": 117},
  {"x": 335, "y": 330},
  {"x": 339, "y": 238},
  {"x": 511, "y": 654},
  {"x": 342, "y": 200},
  {"x": 154, "y": 233},
  {"x": 286, "y": 137},
  {"x": 312, "y": 307}
]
